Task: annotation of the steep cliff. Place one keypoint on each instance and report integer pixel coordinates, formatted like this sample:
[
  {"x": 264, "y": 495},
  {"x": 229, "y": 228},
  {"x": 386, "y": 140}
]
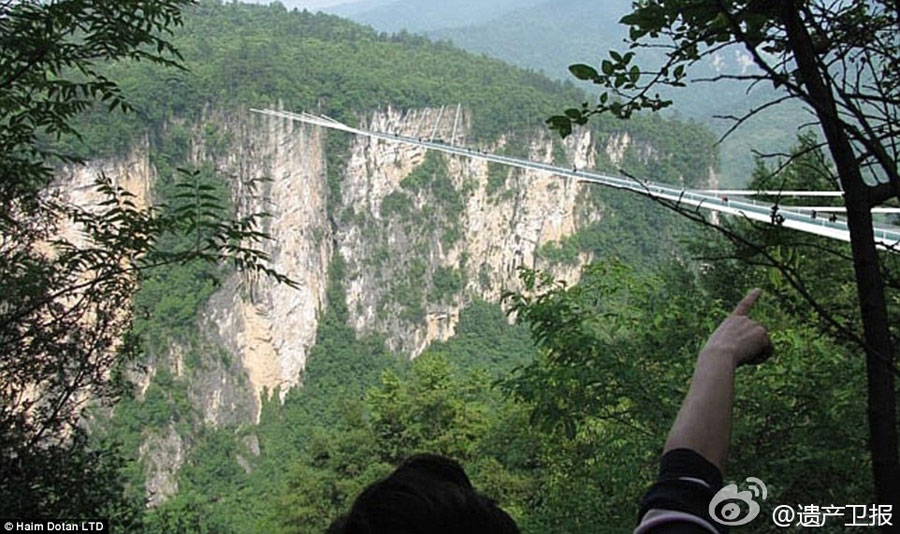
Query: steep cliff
[
  {"x": 424, "y": 233},
  {"x": 388, "y": 244},
  {"x": 420, "y": 234},
  {"x": 76, "y": 184},
  {"x": 270, "y": 327}
]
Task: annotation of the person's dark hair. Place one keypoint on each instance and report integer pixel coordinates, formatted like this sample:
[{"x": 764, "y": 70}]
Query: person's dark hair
[{"x": 426, "y": 494}]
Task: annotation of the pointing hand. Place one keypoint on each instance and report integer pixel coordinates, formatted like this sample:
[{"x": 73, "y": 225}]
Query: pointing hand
[{"x": 741, "y": 338}]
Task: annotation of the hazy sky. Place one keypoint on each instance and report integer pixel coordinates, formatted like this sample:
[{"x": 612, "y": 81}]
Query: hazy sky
[{"x": 305, "y": 4}]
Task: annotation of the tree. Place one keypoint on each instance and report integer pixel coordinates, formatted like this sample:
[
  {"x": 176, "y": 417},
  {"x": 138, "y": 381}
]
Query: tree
[
  {"x": 616, "y": 355},
  {"x": 66, "y": 300},
  {"x": 840, "y": 59}
]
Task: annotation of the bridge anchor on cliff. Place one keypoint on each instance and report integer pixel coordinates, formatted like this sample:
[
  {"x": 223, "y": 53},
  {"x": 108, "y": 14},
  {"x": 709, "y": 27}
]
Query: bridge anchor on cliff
[{"x": 817, "y": 220}]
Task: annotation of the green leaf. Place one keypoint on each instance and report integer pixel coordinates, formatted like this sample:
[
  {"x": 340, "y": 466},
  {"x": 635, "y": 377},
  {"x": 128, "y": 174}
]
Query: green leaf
[
  {"x": 561, "y": 124},
  {"x": 607, "y": 67},
  {"x": 584, "y": 72}
]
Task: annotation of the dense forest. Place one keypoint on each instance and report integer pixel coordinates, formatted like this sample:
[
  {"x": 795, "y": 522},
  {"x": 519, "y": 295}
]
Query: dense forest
[{"x": 556, "y": 400}]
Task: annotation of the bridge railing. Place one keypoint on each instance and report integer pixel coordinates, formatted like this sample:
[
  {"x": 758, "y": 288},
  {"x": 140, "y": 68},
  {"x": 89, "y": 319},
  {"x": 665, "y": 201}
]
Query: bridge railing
[{"x": 886, "y": 237}]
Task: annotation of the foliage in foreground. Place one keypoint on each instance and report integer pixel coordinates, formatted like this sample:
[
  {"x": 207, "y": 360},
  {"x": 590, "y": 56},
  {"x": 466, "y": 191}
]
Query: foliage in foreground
[
  {"x": 570, "y": 438},
  {"x": 68, "y": 272},
  {"x": 840, "y": 59}
]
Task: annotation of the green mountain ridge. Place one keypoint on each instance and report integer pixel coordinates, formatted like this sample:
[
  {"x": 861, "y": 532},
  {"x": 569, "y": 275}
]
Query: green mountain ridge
[
  {"x": 530, "y": 432},
  {"x": 550, "y": 36},
  {"x": 240, "y": 56},
  {"x": 424, "y": 15}
]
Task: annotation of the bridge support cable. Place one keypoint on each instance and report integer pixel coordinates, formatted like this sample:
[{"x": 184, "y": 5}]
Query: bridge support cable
[
  {"x": 886, "y": 236},
  {"x": 455, "y": 123},
  {"x": 436, "y": 125}
]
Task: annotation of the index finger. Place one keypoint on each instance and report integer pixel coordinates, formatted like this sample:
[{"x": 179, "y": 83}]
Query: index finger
[{"x": 743, "y": 307}]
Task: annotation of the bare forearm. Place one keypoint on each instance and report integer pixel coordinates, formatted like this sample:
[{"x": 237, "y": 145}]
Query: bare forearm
[
  {"x": 704, "y": 421},
  {"x": 703, "y": 425}
]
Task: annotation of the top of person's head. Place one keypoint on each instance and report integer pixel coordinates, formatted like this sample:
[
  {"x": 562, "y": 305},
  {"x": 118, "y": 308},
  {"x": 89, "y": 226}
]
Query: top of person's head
[{"x": 426, "y": 494}]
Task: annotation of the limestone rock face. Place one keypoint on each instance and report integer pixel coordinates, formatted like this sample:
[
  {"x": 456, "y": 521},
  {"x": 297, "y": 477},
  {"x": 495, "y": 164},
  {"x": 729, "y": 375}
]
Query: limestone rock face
[
  {"x": 475, "y": 228},
  {"x": 420, "y": 235},
  {"x": 505, "y": 216},
  {"x": 76, "y": 184},
  {"x": 277, "y": 167},
  {"x": 163, "y": 454},
  {"x": 495, "y": 227}
]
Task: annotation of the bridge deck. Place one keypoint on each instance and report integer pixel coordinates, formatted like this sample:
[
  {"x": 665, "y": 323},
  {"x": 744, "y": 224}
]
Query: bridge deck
[{"x": 797, "y": 219}]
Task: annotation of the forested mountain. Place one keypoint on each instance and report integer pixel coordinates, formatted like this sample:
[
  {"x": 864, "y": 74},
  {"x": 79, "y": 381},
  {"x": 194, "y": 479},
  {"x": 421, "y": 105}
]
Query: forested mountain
[
  {"x": 266, "y": 407},
  {"x": 550, "y": 36},
  {"x": 546, "y": 36},
  {"x": 393, "y": 250},
  {"x": 313, "y": 5},
  {"x": 421, "y": 15}
]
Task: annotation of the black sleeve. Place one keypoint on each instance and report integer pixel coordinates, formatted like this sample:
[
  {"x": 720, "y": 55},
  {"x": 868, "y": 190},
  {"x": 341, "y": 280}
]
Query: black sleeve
[{"x": 672, "y": 492}]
